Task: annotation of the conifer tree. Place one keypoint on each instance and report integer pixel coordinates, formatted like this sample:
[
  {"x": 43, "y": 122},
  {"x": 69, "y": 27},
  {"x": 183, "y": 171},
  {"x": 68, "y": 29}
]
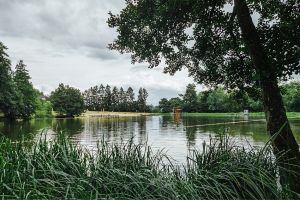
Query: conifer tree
[
  {"x": 130, "y": 99},
  {"x": 107, "y": 98},
  {"x": 26, "y": 93},
  {"x": 114, "y": 99},
  {"x": 122, "y": 100},
  {"x": 7, "y": 90},
  {"x": 142, "y": 100}
]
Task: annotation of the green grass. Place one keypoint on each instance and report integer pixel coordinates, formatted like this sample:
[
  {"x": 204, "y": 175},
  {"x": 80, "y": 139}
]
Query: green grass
[
  {"x": 251, "y": 114},
  {"x": 59, "y": 169},
  {"x": 211, "y": 114},
  {"x": 293, "y": 114}
]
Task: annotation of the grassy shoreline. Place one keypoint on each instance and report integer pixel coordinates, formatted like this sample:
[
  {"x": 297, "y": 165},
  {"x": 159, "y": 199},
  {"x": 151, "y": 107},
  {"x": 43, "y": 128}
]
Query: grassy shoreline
[
  {"x": 251, "y": 114},
  {"x": 105, "y": 114},
  {"x": 112, "y": 114},
  {"x": 58, "y": 168}
]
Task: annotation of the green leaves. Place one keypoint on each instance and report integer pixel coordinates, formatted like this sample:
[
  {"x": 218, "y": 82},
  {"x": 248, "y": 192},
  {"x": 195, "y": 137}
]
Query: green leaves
[
  {"x": 67, "y": 100},
  {"x": 142, "y": 100},
  {"x": 7, "y": 95},
  {"x": 204, "y": 37},
  {"x": 26, "y": 94},
  {"x": 17, "y": 95}
]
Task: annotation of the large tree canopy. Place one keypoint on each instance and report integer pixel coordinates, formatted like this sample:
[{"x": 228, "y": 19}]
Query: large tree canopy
[
  {"x": 204, "y": 37},
  {"x": 219, "y": 43},
  {"x": 67, "y": 101}
]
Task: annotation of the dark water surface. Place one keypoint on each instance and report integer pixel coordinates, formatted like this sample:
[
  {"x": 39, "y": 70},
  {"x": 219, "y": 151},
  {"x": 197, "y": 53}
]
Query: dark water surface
[{"x": 174, "y": 135}]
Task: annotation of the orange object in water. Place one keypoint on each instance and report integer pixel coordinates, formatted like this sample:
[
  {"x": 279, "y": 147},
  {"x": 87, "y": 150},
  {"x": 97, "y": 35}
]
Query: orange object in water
[{"x": 177, "y": 111}]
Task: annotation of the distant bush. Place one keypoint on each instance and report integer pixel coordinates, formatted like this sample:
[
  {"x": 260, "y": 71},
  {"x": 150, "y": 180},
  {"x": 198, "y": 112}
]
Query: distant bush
[
  {"x": 43, "y": 108},
  {"x": 67, "y": 101}
]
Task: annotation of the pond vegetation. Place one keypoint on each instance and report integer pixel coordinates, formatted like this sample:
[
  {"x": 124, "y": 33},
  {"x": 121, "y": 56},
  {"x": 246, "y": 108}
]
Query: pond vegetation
[{"x": 61, "y": 169}]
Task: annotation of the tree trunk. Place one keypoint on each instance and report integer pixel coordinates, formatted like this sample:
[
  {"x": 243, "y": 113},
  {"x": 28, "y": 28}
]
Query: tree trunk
[{"x": 284, "y": 144}]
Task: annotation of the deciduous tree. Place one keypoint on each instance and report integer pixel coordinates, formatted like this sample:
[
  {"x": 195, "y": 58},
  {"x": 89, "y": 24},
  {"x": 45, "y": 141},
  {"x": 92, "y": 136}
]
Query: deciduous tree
[
  {"x": 218, "y": 42},
  {"x": 164, "y": 105},
  {"x": 190, "y": 99},
  {"x": 67, "y": 101}
]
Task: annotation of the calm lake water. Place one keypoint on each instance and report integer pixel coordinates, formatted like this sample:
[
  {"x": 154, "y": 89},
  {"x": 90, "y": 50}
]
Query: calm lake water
[{"x": 174, "y": 135}]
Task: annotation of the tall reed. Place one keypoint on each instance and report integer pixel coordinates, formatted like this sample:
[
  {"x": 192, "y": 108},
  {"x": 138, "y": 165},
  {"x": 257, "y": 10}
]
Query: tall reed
[{"x": 60, "y": 169}]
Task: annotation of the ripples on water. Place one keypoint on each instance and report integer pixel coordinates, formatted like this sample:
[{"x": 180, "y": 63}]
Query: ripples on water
[{"x": 174, "y": 135}]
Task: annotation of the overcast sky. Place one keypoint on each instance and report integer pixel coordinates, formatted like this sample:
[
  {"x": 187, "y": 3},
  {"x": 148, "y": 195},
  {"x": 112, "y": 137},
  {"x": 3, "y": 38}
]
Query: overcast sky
[{"x": 66, "y": 41}]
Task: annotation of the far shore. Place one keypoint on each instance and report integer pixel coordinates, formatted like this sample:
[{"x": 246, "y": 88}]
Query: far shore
[
  {"x": 113, "y": 114},
  {"x": 107, "y": 114}
]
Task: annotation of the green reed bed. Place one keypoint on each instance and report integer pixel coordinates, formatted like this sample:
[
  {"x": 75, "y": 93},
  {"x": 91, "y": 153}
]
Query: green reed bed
[{"x": 59, "y": 169}]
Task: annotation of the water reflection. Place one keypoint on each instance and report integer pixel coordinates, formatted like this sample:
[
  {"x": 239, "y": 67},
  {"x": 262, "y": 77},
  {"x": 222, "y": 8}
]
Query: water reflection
[
  {"x": 175, "y": 134},
  {"x": 68, "y": 126},
  {"x": 15, "y": 130}
]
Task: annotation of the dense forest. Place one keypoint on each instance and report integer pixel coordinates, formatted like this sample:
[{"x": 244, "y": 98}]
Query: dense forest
[
  {"x": 221, "y": 100},
  {"x": 18, "y": 97},
  {"x": 20, "y": 100},
  {"x": 109, "y": 98}
]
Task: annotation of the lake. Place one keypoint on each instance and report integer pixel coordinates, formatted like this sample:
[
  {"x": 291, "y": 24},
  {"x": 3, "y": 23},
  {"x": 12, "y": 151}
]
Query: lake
[{"x": 173, "y": 134}]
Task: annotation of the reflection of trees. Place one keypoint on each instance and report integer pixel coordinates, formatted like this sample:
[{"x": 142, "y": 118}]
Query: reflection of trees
[
  {"x": 142, "y": 137},
  {"x": 27, "y": 128},
  {"x": 142, "y": 125},
  {"x": 111, "y": 129},
  {"x": 215, "y": 126},
  {"x": 256, "y": 130},
  {"x": 190, "y": 130},
  {"x": 165, "y": 120},
  {"x": 68, "y": 126},
  {"x": 191, "y": 135}
]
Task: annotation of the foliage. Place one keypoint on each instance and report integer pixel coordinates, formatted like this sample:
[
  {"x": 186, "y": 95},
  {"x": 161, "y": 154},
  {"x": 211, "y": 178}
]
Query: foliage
[
  {"x": 190, "y": 98},
  {"x": 107, "y": 98},
  {"x": 43, "y": 106},
  {"x": 67, "y": 100},
  {"x": 217, "y": 100},
  {"x": 218, "y": 42},
  {"x": 114, "y": 99},
  {"x": 213, "y": 100},
  {"x": 17, "y": 95},
  {"x": 291, "y": 96},
  {"x": 205, "y": 37},
  {"x": 26, "y": 94},
  {"x": 104, "y": 98},
  {"x": 142, "y": 100},
  {"x": 164, "y": 106},
  {"x": 221, "y": 100},
  {"x": 58, "y": 168},
  {"x": 130, "y": 100},
  {"x": 8, "y": 99},
  {"x": 122, "y": 103}
]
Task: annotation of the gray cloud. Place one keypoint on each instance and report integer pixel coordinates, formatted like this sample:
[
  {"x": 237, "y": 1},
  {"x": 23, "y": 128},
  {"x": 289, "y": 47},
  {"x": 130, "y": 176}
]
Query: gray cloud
[
  {"x": 66, "y": 41},
  {"x": 71, "y": 25}
]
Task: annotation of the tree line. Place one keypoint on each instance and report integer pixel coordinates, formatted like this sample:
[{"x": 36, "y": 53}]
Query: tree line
[
  {"x": 222, "y": 100},
  {"x": 18, "y": 98},
  {"x": 110, "y": 98}
]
